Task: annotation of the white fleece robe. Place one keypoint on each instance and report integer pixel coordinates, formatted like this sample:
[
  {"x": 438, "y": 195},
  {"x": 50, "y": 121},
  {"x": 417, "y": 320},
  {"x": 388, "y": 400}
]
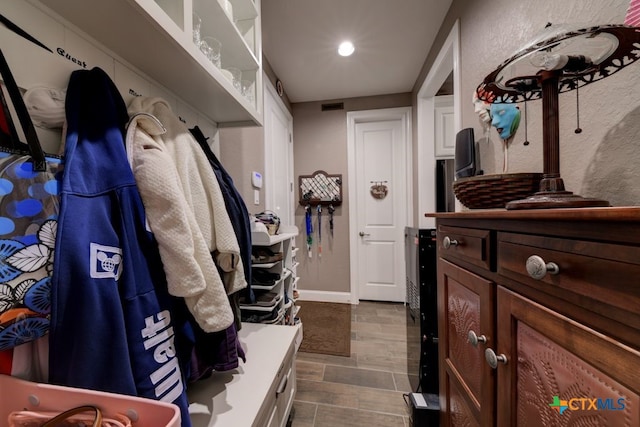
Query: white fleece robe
[{"x": 185, "y": 211}]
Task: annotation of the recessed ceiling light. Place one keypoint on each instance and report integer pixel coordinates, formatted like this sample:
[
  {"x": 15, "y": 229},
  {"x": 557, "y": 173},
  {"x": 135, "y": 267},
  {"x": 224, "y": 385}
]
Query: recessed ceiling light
[{"x": 346, "y": 48}]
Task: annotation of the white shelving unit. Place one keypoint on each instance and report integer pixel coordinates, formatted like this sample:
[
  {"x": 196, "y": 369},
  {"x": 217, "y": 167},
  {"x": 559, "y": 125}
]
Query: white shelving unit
[
  {"x": 156, "y": 37},
  {"x": 287, "y": 310}
]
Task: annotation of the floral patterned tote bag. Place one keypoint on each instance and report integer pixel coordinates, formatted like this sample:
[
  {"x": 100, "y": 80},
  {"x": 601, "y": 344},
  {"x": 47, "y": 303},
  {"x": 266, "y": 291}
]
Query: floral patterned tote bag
[{"x": 29, "y": 207}]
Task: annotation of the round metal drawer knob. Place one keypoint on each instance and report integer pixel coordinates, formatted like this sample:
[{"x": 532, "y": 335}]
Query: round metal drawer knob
[
  {"x": 493, "y": 359},
  {"x": 474, "y": 339},
  {"x": 447, "y": 242},
  {"x": 538, "y": 267}
]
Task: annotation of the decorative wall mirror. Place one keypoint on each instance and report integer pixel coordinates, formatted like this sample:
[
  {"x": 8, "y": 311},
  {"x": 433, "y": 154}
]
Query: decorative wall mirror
[{"x": 320, "y": 188}]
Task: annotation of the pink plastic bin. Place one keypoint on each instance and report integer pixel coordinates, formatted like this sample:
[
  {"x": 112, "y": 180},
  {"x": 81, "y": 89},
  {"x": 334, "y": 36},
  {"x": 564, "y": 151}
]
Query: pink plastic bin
[{"x": 17, "y": 394}]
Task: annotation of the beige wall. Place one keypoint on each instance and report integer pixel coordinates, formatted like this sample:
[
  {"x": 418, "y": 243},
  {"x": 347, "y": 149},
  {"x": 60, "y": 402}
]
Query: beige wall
[
  {"x": 320, "y": 143},
  {"x": 602, "y": 160},
  {"x": 273, "y": 78},
  {"x": 241, "y": 152}
]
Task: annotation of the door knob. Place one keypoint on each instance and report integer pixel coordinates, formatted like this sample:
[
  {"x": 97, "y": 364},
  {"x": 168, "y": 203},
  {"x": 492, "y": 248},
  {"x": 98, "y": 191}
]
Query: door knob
[{"x": 362, "y": 234}]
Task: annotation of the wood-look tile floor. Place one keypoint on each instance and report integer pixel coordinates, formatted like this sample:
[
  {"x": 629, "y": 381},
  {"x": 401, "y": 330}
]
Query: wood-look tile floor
[{"x": 365, "y": 389}]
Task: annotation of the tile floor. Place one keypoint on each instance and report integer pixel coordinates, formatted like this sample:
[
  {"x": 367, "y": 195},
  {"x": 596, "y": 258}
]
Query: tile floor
[{"x": 365, "y": 389}]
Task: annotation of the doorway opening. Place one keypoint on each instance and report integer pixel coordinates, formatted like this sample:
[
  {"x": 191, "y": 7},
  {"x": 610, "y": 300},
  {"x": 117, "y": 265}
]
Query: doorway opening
[{"x": 446, "y": 67}]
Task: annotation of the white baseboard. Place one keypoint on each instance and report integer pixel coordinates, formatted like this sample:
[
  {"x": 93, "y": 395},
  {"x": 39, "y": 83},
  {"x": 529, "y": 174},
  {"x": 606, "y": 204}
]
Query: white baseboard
[{"x": 326, "y": 296}]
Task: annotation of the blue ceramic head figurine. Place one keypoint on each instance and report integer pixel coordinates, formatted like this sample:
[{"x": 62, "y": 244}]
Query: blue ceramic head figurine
[{"x": 505, "y": 118}]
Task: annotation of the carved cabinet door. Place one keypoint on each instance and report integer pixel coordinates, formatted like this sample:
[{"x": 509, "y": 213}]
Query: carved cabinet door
[
  {"x": 466, "y": 302},
  {"x": 589, "y": 380}
]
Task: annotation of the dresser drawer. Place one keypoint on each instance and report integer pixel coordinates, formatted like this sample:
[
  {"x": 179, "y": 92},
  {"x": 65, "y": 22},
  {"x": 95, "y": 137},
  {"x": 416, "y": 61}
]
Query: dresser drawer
[
  {"x": 599, "y": 277},
  {"x": 468, "y": 244},
  {"x": 286, "y": 392}
]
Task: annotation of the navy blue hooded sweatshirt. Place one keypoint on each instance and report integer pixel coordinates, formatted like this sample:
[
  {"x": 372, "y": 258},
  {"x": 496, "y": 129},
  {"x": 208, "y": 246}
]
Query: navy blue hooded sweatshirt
[{"x": 111, "y": 325}]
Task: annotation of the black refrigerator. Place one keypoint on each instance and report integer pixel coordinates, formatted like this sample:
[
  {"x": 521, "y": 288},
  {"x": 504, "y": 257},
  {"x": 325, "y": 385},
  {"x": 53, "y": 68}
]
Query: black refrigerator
[{"x": 422, "y": 309}]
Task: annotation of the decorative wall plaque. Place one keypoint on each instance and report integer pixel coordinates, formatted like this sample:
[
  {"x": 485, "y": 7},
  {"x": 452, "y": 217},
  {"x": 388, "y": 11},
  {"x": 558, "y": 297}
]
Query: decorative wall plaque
[
  {"x": 379, "y": 190},
  {"x": 320, "y": 188}
]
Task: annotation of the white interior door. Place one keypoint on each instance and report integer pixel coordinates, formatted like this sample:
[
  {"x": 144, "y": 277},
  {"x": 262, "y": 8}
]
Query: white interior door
[
  {"x": 278, "y": 177},
  {"x": 381, "y": 159}
]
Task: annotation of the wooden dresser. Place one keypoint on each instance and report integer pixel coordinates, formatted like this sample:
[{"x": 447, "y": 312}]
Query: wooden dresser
[{"x": 539, "y": 317}]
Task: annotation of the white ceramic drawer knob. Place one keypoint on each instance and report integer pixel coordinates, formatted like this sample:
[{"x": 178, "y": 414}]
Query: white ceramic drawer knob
[
  {"x": 538, "y": 268},
  {"x": 474, "y": 339},
  {"x": 493, "y": 359},
  {"x": 447, "y": 242}
]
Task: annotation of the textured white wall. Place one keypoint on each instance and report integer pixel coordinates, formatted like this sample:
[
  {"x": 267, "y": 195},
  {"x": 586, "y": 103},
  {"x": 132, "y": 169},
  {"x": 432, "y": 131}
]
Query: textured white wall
[{"x": 604, "y": 160}]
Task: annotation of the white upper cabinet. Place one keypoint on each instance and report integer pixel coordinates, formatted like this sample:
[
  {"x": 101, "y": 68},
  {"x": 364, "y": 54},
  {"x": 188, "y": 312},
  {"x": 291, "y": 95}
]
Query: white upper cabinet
[
  {"x": 157, "y": 37},
  {"x": 445, "y": 138}
]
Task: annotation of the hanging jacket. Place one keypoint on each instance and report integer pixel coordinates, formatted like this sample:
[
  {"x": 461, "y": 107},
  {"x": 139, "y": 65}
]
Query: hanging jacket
[
  {"x": 215, "y": 351},
  {"x": 236, "y": 208},
  {"x": 186, "y": 212},
  {"x": 111, "y": 325},
  {"x": 189, "y": 266}
]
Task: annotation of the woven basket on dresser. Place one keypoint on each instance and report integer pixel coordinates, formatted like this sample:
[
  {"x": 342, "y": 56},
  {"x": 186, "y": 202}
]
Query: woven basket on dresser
[{"x": 495, "y": 191}]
